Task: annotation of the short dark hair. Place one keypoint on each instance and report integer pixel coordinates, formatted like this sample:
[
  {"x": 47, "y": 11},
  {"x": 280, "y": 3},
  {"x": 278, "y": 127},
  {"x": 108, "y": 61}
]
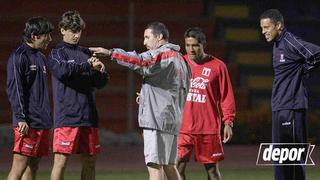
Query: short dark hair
[
  {"x": 274, "y": 15},
  {"x": 72, "y": 20},
  {"x": 197, "y": 33},
  {"x": 36, "y": 26},
  {"x": 159, "y": 28}
]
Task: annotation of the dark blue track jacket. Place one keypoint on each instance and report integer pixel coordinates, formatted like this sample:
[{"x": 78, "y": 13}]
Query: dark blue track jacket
[
  {"x": 74, "y": 83},
  {"x": 293, "y": 58},
  {"x": 27, "y": 88}
]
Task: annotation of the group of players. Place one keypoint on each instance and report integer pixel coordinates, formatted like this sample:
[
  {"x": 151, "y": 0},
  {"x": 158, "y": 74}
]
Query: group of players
[
  {"x": 75, "y": 76},
  {"x": 182, "y": 102}
]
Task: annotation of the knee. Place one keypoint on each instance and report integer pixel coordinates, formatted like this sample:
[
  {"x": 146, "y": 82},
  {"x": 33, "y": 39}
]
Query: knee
[
  {"x": 170, "y": 168},
  {"x": 34, "y": 166},
  {"x": 181, "y": 166},
  {"x": 213, "y": 170},
  {"x": 60, "y": 162}
]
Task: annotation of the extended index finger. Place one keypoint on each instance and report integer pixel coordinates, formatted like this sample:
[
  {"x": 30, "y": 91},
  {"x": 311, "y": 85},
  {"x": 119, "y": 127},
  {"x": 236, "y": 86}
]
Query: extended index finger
[{"x": 93, "y": 49}]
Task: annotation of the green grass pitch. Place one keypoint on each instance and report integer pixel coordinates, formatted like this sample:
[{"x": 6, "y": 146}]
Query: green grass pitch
[{"x": 194, "y": 174}]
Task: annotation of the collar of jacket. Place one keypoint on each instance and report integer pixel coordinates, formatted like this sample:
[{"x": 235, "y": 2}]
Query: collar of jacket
[
  {"x": 280, "y": 37},
  {"x": 29, "y": 48},
  {"x": 171, "y": 46},
  {"x": 69, "y": 45}
]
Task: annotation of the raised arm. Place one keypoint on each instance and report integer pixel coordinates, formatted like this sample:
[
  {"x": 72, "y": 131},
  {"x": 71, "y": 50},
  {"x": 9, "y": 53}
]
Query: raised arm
[
  {"x": 64, "y": 69},
  {"x": 146, "y": 64}
]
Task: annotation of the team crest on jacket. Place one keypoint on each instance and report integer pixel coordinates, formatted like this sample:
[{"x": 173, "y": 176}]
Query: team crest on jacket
[
  {"x": 206, "y": 71},
  {"x": 33, "y": 67},
  {"x": 282, "y": 58},
  {"x": 44, "y": 70}
]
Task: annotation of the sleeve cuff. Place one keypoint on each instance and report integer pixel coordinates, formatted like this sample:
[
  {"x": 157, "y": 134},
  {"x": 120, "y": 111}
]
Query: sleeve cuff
[{"x": 230, "y": 123}]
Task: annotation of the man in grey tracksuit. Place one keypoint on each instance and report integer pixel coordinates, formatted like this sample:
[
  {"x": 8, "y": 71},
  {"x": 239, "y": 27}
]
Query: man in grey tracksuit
[{"x": 165, "y": 85}]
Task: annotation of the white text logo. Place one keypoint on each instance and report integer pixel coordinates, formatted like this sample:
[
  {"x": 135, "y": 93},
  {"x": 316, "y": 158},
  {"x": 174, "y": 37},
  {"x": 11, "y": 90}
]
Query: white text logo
[
  {"x": 201, "y": 98},
  {"x": 29, "y": 146},
  {"x": 285, "y": 154},
  {"x": 199, "y": 83},
  {"x": 65, "y": 143}
]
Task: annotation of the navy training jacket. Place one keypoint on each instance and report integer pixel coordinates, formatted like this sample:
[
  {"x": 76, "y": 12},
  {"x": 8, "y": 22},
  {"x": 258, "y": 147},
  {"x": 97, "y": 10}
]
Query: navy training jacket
[
  {"x": 74, "y": 83},
  {"x": 292, "y": 59},
  {"x": 27, "y": 88}
]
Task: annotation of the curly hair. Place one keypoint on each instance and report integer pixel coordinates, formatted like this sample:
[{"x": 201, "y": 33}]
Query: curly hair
[{"x": 71, "y": 20}]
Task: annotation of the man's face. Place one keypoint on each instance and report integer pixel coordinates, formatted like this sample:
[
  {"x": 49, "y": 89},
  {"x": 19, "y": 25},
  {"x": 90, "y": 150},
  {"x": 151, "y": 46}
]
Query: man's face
[
  {"x": 194, "y": 49},
  {"x": 269, "y": 29},
  {"x": 42, "y": 41},
  {"x": 151, "y": 41},
  {"x": 70, "y": 36}
]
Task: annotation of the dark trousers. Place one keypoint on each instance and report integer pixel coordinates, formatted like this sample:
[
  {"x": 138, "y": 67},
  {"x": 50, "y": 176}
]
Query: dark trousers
[{"x": 289, "y": 126}]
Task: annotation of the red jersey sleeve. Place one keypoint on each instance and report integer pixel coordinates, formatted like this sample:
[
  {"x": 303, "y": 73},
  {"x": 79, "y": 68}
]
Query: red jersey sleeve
[{"x": 227, "y": 102}]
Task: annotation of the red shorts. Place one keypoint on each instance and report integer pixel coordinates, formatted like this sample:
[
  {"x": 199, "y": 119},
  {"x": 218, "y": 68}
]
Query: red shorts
[
  {"x": 35, "y": 144},
  {"x": 208, "y": 148},
  {"x": 76, "y": 140}
]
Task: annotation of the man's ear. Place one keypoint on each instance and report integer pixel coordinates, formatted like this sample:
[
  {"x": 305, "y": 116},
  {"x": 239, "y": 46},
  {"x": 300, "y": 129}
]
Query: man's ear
[
  {"x": 62, "y": 31},
  {"x": 204, "y": 45},
  {"x": 279, "y": 26},
  {"x": 160, "y": 36}
]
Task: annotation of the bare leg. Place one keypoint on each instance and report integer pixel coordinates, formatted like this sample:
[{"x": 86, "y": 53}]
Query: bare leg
[
  {"x": 181, "y": 168},
  {"x": 213, "y": 171},
  {"x": 59, "y": 166},
  {"x": 31, "y": 170},
  {"x": 155, "y": 171},
  {"x": 88, "y": 171},
  {"x": 171, "y": 172},
  {"x": 19, "y": 164}
]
